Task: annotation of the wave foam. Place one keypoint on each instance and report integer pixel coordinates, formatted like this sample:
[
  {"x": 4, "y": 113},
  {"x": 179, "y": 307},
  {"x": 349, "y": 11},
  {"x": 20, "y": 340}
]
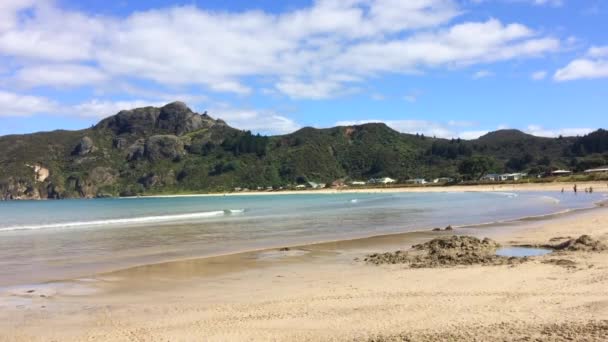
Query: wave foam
[
  {"x": 551, "y": 199},
  {"x": 133, "y": 220},
  {"x": 507, "y": 194}
]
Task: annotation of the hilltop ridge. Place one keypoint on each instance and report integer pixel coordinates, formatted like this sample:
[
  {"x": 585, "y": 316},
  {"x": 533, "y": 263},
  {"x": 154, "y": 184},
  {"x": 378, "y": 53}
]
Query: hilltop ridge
[{"x": 172, "y": 149}]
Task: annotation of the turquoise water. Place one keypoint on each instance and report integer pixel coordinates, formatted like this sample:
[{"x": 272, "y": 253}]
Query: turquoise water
[{"x": 43, "y": 240}]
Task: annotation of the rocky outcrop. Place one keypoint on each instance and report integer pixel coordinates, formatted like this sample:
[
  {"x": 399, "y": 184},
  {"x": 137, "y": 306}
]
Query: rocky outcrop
[
  {"x": 175, "y": 118},
  {"x": 164, "y": 147},
  {"x": 40, "y": 173},
  {"x": 91, "y": 162},
  {"x": 103, "y": 176},
  {"x": 137, "y": 150},
  {"x": 84, "y": 147},
  {"x": 119, "y": 143},
  {"x": 153, "y": 179},
  {"x": 18, "y": 189}
]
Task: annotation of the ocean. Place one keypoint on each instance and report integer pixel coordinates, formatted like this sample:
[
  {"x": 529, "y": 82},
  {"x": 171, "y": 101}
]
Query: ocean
[{"x": 52, "y": 240}]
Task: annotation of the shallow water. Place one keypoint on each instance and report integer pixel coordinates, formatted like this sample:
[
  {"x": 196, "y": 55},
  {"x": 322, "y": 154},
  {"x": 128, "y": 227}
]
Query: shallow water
[
  {"x": 46, "y": 240},
  {"x": 520, "y": 252}
]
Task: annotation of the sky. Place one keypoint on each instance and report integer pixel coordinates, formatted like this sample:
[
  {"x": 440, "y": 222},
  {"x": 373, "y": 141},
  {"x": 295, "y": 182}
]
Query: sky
[{"x": 444, "y": 68}]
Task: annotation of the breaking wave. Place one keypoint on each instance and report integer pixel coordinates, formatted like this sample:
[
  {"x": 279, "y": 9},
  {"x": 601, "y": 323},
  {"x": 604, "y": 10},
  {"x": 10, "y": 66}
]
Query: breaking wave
[
  {"x": 507, "y": 194},
  {"x": 131, "y": 220}
]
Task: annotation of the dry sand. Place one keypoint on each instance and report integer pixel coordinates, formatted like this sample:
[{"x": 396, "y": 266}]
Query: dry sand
[
  {"x": 549, "y": 186},
  {"x": 322, "y": 293}
]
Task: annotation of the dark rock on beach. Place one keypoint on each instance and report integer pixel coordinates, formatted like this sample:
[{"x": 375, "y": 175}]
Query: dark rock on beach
[{"x": 448, "y": 228}]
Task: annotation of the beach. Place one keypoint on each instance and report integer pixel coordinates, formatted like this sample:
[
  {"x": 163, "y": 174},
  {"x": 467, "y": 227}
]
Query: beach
[
  {"x": 600, "y": 186},
  {"x": 326, "y": 291}
]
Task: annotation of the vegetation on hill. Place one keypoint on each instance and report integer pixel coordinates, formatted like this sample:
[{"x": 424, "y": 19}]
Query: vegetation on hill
[{"x": 174, "y": 150}]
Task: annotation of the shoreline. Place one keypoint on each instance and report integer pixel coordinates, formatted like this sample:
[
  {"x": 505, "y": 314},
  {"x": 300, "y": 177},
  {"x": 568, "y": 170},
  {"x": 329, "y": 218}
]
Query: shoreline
[
  {"x": 419, "y": 231},
  {"x": 422, "y": 230},
  {"x": 550, "y": 186}
]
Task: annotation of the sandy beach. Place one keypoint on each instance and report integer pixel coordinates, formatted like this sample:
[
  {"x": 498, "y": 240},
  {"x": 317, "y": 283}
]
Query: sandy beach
[
  {"x": 326, "y": 292},
  {"x": 549, "y": 186}
]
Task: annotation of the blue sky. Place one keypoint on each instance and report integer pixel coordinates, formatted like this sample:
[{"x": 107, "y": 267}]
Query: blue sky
[{"x": 447, "y": 68}]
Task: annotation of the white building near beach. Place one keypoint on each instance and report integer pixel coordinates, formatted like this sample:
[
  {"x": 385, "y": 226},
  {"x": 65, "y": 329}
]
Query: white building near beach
[
  {"x": 491, "y": 177},
  {"x": 514, "y": 176},
  {"x": 494, "y": 177},
  {"x": 315, "y": 185},
  {"x": 598, "y": 170},
  {"x": 357, "y": 183},
  {"x": 384, "y": 180},
  {"x": 561, "y": 172}
]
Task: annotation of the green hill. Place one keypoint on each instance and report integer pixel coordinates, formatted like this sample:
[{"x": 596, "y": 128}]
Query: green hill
[{"x": 174, "y": 150}]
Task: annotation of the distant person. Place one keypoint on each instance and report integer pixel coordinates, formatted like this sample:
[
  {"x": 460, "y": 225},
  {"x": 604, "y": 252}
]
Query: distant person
[
  {"x": 591, "y": 190},
  {"x": 562, "y": 190},
  {"x": 575, "y": 188}
]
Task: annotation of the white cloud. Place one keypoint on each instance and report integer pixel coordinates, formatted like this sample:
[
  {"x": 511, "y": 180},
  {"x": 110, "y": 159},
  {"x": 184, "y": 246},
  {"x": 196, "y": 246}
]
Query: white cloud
[
  {"x": 50, "y": 34},
  {"x": 60, "y": 75},
  {"x": 377, "y": 97},
  {"x": 426, "y": 127},
  {"x": 231, "y": 86},
  {"x": 12, "y": 104},
  {"x": 316, "y": 90},
  {"x": 482, "y": 74},
  {"x": 470, "y": 135},
  {"x": 316, "y": 52},
  {"x": 583, "y": 69},
  {"x": 101, "y": 109},
  {"x": 598, "y": 51},
  {"x": 259, "y": 121},
  {"x": 555, "y": 3},
  {"x": 594, "y": 65},
  {"x": 552, "y": 133},
  {"x": 9, "y": 10},
  {"x": 461, "y": 45},
  {"x": 15, "y": 105},
  {"x": 453, "y": 129},
  {"x": 413, "y": 96},
  {"x": 460, "y": 123},
  {"x": 539, "y": 75}
]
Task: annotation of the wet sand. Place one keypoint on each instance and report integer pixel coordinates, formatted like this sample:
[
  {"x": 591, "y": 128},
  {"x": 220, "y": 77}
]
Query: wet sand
[{"x": 322, "y": 292}]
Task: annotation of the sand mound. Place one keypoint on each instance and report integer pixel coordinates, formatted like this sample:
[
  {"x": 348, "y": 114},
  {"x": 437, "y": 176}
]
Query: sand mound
[
  {"x": 584, "y": 243},
  {"x": 446, "y": 252}
]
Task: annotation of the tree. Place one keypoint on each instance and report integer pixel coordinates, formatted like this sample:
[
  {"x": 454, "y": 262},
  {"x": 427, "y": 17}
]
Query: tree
[{"x": 476, "y": 167}]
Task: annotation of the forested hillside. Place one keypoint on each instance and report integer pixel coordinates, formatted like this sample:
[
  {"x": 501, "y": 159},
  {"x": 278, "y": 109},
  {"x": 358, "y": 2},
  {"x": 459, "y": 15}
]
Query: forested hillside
[{"x": 172, "y": 149}]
